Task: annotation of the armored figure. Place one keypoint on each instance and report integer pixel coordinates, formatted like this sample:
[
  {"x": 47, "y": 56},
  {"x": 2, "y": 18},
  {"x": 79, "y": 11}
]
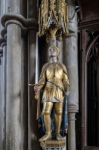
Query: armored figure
[{"x": 55, "y": 83}]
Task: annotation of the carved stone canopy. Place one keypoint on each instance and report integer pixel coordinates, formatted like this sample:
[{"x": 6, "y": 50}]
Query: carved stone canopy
[{"x": 53, "y": 14}]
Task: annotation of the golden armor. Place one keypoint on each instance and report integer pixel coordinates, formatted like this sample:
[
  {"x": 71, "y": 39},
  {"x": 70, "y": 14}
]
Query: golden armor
[{"x": 55, "y": 83}]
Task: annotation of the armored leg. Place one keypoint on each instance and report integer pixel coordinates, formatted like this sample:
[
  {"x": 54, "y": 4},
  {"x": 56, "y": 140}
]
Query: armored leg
[
  {"x": 47, "y": 108},
  {"x": 58, "y": 118}
]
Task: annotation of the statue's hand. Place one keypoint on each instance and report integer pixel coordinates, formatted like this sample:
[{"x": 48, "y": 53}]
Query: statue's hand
[{"x": 37, "y": 92}]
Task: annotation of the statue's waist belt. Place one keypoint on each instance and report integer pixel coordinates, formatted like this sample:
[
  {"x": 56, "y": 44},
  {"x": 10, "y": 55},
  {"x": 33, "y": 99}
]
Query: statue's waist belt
[{"x": 56, "y": 86}]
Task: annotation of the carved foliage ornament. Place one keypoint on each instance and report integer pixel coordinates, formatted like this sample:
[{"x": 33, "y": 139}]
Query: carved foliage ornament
[{"x": 53, "y": 14}]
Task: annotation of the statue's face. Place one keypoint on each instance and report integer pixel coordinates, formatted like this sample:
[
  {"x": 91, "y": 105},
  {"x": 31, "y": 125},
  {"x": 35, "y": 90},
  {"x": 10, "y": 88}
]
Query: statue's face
[{"x": 52, "y": 52}]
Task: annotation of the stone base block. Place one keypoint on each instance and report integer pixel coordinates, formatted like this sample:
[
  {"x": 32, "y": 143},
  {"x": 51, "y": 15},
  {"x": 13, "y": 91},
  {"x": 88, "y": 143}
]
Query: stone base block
[{"x": 53, "y": 144}]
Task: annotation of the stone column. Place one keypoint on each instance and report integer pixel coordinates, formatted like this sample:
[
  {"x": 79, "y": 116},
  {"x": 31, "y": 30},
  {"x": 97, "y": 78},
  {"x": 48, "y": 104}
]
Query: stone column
[
  {"x": 33, "y": 142},
  {"x": 3, "y": 97},
  {"x": 71, "y": 61},
  {"x": 0, "y": 87},
  {"x": 84, "y": 42},
  {"x": 3, "y": 6},
  {"x": 14, "y": 139},
  {"x": 97, "y": 60},
  {"x": 1, "y": 102},
  {"x": 32, "y": 103},
  {"x": 14, "y": 78},
  {"x": 2, "y": 80},
  {"x": 71, "y": 131},
  {"x": 4, "y": 92}
]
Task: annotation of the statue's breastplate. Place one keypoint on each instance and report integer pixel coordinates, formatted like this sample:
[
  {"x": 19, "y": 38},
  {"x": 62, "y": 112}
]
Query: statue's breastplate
[
  {"x": 54, "y": 86},
  {"x": 54, "y": 73}
]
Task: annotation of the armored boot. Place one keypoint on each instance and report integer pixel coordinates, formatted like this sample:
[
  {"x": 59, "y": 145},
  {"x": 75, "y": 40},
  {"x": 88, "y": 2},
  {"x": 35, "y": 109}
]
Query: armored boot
[
  {"x": 47, "y": 121},
  {"x": 46, "y": 137},
  {"x": 58, "y": 126},
  {"x": 59, "y": 137}
]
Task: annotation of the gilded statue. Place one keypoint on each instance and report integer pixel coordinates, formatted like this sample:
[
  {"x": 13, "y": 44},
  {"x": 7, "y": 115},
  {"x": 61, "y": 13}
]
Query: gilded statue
[{"x": 55, "y": 84}]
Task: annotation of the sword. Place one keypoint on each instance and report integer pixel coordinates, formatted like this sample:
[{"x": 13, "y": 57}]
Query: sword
[{"x": 34, "y": 84}]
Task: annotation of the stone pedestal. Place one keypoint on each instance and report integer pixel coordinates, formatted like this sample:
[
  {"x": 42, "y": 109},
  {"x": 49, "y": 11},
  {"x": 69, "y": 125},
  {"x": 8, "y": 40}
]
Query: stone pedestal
[{"x": 53, "y": 145}]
